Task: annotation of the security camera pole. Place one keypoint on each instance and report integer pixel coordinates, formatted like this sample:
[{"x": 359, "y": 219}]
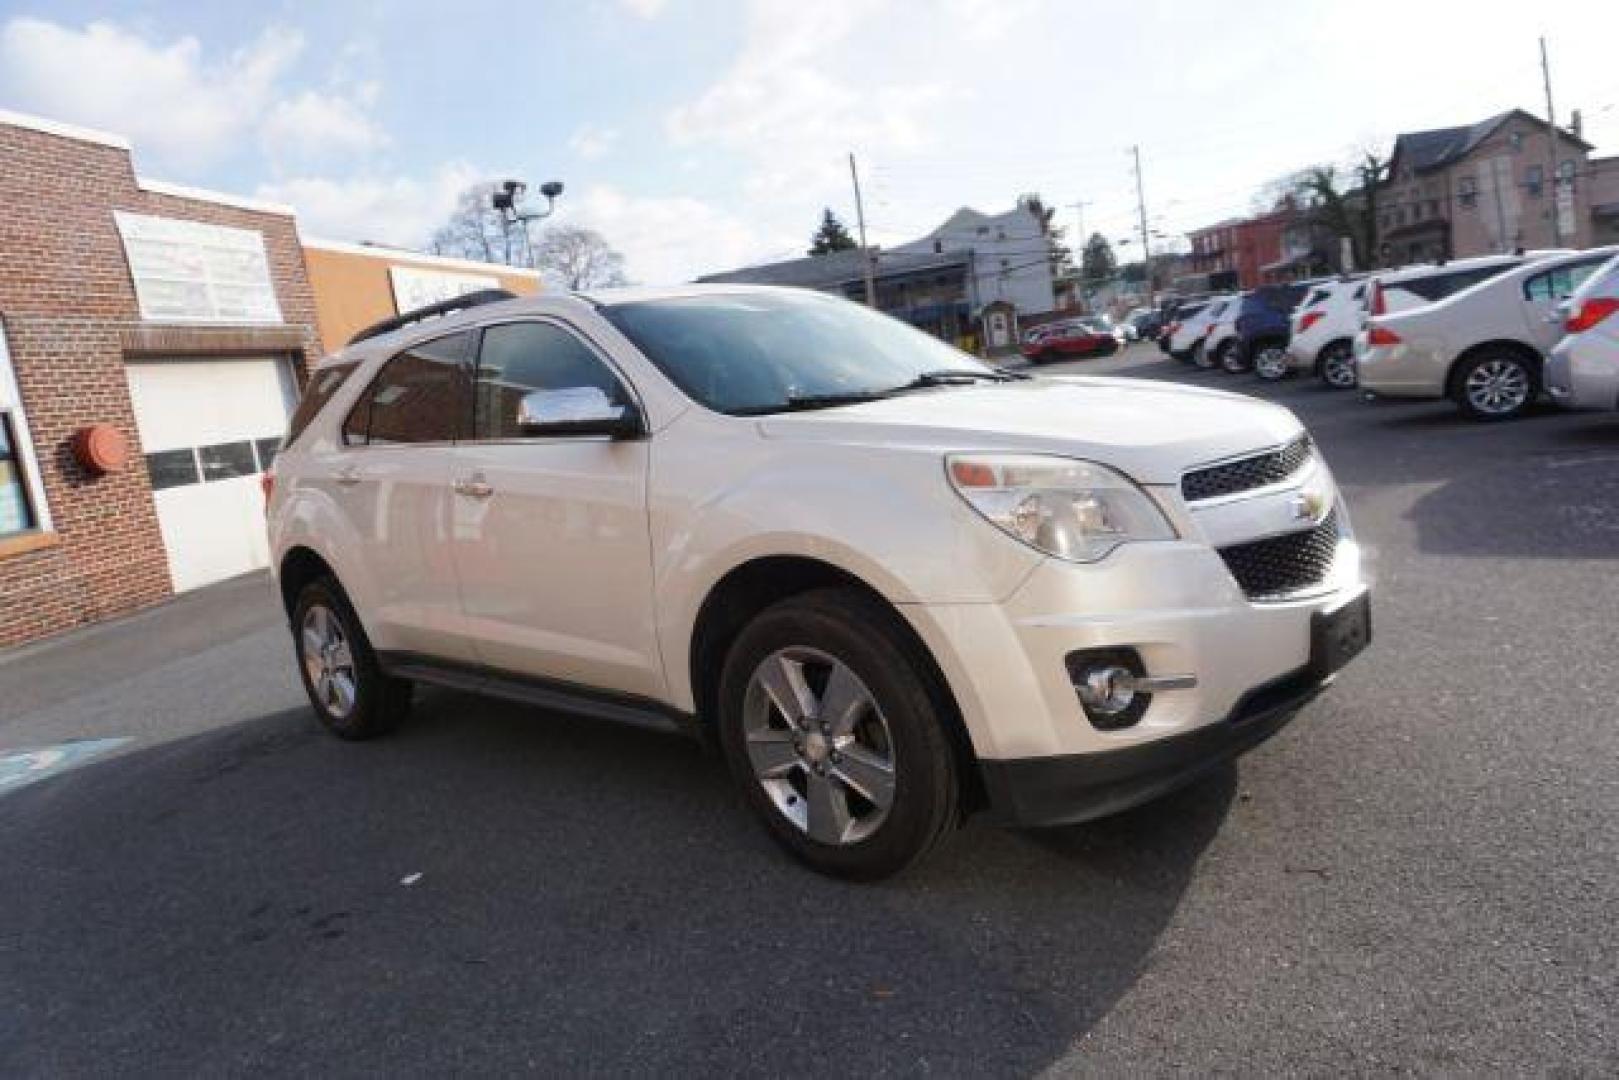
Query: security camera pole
[{"x": 508, "y": 202}]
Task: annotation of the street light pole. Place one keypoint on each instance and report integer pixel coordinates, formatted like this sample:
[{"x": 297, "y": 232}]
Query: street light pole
[
  {"x": 865, "y": 252},
  {"x": 1141, "y": 209}
]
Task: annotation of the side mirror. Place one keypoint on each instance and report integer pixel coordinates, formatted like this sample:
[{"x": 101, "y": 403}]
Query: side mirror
[{"x": 576, "y": 411}]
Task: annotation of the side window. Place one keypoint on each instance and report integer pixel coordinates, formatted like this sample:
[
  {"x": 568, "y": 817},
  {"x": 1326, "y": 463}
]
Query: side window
[
  {"x": 322, "y": 385},
  {"x": 518, "y": 358},
  {"x": 420, "y": 396},
  {"x": 1560, "y": 283}
]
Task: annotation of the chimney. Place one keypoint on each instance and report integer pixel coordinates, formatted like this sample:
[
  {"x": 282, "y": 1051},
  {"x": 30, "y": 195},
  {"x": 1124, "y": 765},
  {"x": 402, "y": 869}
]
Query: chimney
[{"x": 1576, "y": 124}]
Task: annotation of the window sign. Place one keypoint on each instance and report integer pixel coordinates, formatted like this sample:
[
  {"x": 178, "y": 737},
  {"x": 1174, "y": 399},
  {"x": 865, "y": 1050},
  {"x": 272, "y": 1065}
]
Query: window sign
[
  {"x": 415, "y": 287},
  {"x": 186, "y": 271}
]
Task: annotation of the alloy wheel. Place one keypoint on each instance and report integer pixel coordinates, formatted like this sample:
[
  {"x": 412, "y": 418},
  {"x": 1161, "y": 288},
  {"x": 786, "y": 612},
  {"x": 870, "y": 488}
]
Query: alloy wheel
[
  {"x": 1498, "y": 387},
  {"x": 1338, "y": 368},
  {"x": 328, "y": 661},
  {"x": 1271, "y": 363},
  {"x": 819, "y": 745}
]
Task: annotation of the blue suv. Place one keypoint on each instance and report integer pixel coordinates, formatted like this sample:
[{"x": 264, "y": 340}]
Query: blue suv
[{"x": 1262, "y": 330}]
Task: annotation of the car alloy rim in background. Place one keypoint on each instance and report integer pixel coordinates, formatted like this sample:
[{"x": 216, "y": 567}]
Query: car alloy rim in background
[
  {"x": 819, "y": 745},
  {"x": 1498, "y": 387},
  {"x": 328, "y": 661},
  {"x": 1339, "y": 367},
  {"x": 1271, "y": 363}
]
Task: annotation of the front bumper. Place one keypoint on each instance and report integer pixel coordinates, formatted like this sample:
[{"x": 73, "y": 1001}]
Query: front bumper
[{"x": 1079, "y": 787}]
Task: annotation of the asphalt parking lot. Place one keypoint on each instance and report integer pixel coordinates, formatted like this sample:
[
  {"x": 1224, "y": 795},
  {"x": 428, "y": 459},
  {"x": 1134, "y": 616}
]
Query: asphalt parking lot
[{"x": 1421, "y": 874}]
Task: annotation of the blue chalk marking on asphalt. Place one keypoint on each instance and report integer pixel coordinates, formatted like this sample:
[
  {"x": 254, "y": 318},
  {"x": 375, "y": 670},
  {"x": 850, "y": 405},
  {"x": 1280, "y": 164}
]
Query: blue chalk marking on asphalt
[{"x": 26, "y": 766}]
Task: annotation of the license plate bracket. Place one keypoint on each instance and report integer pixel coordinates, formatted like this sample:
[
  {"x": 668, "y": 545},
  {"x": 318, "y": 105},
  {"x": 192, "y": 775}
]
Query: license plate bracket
[{"x": 1338, "y": 636}]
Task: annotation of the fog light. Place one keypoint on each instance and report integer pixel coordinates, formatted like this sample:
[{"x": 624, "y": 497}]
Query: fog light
[
  {"x": 1114, "y": 688},
  {"x": 1107, "y": 690}
]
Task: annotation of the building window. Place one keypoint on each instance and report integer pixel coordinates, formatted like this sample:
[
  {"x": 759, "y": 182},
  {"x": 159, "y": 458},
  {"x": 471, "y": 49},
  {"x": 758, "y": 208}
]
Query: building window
[
  {"x": 22, "y": 501},
  {"x": 1535, "y": 180},
  {"x": 1467, "y": 192}
]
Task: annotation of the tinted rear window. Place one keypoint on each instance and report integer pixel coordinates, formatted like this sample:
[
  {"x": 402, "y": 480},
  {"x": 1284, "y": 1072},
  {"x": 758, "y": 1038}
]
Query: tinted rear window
[
  {"x": 420, "y": 396},
  {"x": 322, "y": 385},
  {"x": 1438, "y": 286}
]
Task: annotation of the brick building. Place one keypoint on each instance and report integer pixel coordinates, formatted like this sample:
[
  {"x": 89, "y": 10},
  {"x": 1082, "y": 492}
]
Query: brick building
[
  {"x": 179, "y": 323},
  {"x": 1235, "y": 253}
]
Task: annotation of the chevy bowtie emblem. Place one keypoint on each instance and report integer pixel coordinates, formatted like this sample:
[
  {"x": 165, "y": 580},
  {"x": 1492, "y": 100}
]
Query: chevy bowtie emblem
[{"x": 1308, "y": 505}]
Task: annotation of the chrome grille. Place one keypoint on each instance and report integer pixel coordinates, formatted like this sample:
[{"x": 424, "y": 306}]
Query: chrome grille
[
  {"x": 1246, "y": 474},
  {"x": 1281, "y": 565}
]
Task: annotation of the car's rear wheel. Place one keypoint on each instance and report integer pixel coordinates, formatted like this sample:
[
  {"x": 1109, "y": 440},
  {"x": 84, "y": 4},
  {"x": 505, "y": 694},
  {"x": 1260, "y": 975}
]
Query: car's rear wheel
[
  {"x": 1496, "y": 385},
  {"x": 1230, "y": 358},
  {"x": 350, "y": 693},
  {"x": 1270, "y": 362},
  {"x": 1336, "y": 366},
  {"x": 830, "y": 729},
  {"x": 1201, "y": 358}
]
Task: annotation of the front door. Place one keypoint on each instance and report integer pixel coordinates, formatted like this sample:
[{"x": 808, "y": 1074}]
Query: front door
[{"x": 552, "y": 541}]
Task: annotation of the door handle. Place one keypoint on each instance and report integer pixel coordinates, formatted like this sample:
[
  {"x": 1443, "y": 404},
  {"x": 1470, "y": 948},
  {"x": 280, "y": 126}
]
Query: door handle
[
  {"x": 474, "y": 487},
  {"x": 347, "y": 476}
]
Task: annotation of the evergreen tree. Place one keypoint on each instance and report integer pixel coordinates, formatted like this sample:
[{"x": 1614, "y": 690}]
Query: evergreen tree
[
  {"x": 831, "y": 236},
  {"x": 1097, "y": 263}
]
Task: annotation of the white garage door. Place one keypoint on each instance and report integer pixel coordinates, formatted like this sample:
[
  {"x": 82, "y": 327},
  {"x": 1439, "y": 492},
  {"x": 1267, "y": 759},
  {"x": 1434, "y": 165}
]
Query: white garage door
[{"x": 209, "y": 428}]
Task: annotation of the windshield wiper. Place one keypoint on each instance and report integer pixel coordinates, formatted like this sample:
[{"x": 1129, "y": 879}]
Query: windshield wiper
[
  {"x": 804, "y": 402},
  {"x": 956, "y": 376}
]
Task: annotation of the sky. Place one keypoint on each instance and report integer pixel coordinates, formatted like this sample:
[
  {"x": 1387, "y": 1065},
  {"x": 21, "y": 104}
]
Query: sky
[{"x": 702, "y": 135}]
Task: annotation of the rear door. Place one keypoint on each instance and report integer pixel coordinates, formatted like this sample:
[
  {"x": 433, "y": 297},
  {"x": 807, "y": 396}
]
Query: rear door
[{"x": 391, "y": 481}]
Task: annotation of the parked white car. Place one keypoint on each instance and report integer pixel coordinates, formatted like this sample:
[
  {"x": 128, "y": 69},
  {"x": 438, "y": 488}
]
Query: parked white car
[
  {"x": 1218, "y": 336},
  {"x": 1483, "y": 347},
  {"x": 892, "y": 583},
  {"x": 1323, "y": 328},
  {"x": 1187, "y": 334},
  {"x": 1583, "y": 372}
]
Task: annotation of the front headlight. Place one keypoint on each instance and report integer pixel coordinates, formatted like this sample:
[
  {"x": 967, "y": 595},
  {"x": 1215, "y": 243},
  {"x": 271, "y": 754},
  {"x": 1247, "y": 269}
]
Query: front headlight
[{"x": 1075, "y": 510}]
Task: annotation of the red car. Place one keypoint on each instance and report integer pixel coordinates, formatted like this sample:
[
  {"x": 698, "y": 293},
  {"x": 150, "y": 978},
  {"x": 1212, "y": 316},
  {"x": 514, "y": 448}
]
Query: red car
[{"x": 1056, "y": 340}]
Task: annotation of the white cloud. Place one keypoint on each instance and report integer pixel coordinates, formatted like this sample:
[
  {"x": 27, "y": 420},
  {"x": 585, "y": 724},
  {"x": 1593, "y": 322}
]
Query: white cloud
[
  {"x": 591, "y": 142},
  {"x": 178, "y": 108},
  {"x": 400, "y": 210},
  {"x": 670, "y": 239},
  {"x": 784, "y": 107},
  {"x": 314, "y": 126},
  {"x": 645, "y": 9}
]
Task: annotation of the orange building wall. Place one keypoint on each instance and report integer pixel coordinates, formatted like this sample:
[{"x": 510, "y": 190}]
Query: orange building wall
[{"x": 353, "y": 289}]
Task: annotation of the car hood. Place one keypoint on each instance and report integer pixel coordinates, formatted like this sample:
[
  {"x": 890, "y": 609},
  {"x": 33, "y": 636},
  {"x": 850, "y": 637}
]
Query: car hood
[{"x": 1151, "y": 432}]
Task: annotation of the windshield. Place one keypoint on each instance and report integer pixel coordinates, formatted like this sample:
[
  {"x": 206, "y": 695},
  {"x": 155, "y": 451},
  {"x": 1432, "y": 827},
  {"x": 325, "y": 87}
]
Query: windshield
[{"x": 744, "y": 353}]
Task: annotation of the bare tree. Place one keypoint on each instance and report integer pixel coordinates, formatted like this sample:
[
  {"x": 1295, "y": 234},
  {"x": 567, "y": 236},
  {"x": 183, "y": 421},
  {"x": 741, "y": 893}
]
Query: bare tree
[
  {"x": 476, "y": 230},
  {"x": 578, "y": 258}
]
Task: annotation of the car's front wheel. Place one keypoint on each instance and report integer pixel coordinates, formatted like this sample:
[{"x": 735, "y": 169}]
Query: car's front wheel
[
  {"x": 1498, "y": 384},
  {"x": 1270, "y": 362},
  {"x": 830, "y": 728},
  {"x": 351, "y": 694},
  {"x": 1336, "y": 365}
]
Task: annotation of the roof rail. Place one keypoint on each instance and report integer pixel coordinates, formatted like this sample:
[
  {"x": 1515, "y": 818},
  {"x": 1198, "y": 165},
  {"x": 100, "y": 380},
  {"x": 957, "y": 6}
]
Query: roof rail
[{"x": 443, "y": 307}]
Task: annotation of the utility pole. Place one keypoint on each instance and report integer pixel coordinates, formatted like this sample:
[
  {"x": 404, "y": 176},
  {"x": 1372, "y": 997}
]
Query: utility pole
[
  {"x": 1079, "y": 211},
  {"x": 865, "y": 252},
  {"x": 1141, "y": 209},
  {"x": 1551, "y": 146}
]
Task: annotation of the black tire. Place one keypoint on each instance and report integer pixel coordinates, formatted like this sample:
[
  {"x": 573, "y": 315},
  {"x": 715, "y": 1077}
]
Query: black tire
[
  {"x": 1335, "y": 365},
  {"x": 380, "y": 702},
  {"x": 1270, "y": 362},
  {"x": 1228, "y": 359},
  {"x": 1473, "y": 383},
  {"x": 858, "y": 632},
  {"x": 1201, "y": 358}
]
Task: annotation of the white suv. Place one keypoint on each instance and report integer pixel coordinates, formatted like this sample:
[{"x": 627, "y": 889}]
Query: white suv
[
  {"x": 1484, "y": 346},
  {"x": 1323, "y": 328},
  {"x": 893, "y": 584},
  {"x": 1185, "y": 335}
]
